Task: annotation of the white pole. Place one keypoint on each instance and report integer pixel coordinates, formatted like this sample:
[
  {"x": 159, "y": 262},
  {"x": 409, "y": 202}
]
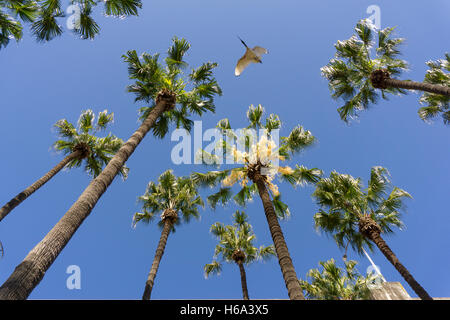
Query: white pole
[{"x": 374, "y": 266}]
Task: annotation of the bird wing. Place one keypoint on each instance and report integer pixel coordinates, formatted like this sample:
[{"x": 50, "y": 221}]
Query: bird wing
[
  {"x": 259, "y": 51},
  {"x": 243, "y": 62}
]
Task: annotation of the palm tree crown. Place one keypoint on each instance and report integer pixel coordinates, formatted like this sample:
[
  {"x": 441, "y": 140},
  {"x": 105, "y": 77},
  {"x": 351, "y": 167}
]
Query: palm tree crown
[
  {"x": 334, "y": 283},
  {"x": 81, "y": 146},
  {"x": 360, "y": 217},
  {"x": 95, "y": 152},
  {"x": 11, "y": 28},
  {"x": 169, "y": 197},
  {"x": 43, "y": 15},
  {"x": 191, "y": 93},
  {"x": 349, "y": 72},
  {"x": 260, "y": 156},
  {"x": 236, "y": 244},
  {"x": 437, "y": 104},
  {"x": 347, "y": 203}
]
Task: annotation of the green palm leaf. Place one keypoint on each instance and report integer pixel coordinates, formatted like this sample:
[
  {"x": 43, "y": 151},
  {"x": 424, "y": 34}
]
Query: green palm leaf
[
  {"x": 233, "y": 238},
  {"x": 343, "y": 202}
]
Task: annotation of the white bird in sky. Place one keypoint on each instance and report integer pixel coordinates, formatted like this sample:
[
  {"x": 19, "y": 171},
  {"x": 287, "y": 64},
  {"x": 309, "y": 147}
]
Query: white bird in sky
[{"x": 251, "y": 55}]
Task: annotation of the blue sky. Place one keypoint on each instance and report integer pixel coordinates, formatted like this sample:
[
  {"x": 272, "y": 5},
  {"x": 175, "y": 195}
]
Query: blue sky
[{"x": 42, "y": 83}]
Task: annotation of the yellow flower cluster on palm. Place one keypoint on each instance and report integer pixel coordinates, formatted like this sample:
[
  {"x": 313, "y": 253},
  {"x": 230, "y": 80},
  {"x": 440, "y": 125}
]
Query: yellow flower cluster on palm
[
  {"x": 264, "y": 152},
  {"x": 261, "y": 154}
]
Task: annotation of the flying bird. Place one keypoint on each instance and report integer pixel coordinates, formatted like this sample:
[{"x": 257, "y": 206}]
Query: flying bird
[{"x": 251, "y": 55}]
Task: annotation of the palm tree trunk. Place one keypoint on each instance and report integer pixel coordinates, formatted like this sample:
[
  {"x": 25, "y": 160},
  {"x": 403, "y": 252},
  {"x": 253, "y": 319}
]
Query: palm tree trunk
[
  {"x": 284, "y": 259},
  {"x": 18, "y": 199},
  {"x": 384, "y": 248},
  {"x": 158, "y": 255},
  {"x": 413, "y": 85},
  {"x": 243, "y": 280},
  {"x": 30, "y": 272},
  {"x": 380, "y": 79}
]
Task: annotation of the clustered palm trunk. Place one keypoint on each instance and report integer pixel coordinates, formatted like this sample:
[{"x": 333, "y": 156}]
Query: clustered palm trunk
[
  {"x": 239, "y": 257},
  {"x": 284, "y": 259},
  {"x": 31, "y": 270},
  {"x": 18, "y": 199},
  {"x": 169, "y": 217},
  {"x": 381, "y": 79},
  {"x": 371, "y": 230}
]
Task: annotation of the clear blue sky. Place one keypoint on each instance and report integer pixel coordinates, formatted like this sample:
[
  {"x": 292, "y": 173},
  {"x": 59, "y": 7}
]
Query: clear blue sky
[{"x": 42, "y": 83}]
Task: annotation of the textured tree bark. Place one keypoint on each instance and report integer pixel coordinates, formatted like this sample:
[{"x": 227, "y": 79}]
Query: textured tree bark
[
  {"x": 412, "y": 85},
  {"x": 18, "y": 199},
  {"x": 243, "y": 280},
  {"x": 384, "y": 248},
  {"x": 284, "y": 259},
  {"x": 31, "y": 270},
  {"x": 157, "y": 259},
  {"x": 380, "y": 79}
]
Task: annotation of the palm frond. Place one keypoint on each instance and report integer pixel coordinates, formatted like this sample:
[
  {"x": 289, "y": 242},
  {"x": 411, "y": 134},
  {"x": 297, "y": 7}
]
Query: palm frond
[
  {"x": 218, "y": 229},
  {"x": 119, "y": 8},
  {"x": 176, "y": 52},
  {"x": 222, "y": 196},
  {"x": 281, "y": 209},
  {"x": 266, "y": 253},
  {"x": 203, "y": 73},
  {"x": 145, "y": 217},
  {"x": 297, "y": 140},
  {"x": 300, "y": 175},
  {"x": 45, "y": 27},
  {"x": 436, "y": 104},
  {"x": 379, "y": 180},
  {"x": 104, "y": 118},
  {"x": 244, "y": 195},
  {"x": 254, "y": 115},
  {"x": 240, "y": 218},
  {"x": 209, "y": 179},
  {"x": 273, "y": 122},
  {"x": 212, "y": 268},
  {"x": 10, "y": 28},
  {"x": 86, "y": 121},
  {"x": 86, "y": 27}
]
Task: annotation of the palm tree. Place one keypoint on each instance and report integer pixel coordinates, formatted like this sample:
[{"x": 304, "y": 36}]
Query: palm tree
[
  {"x": 43, "y": 15},
  {"x": 437, "y": 104},
  {"x": 259, "y": 169},
  {"x": 170, "y": 197},
  {"x": 236, "y": 245},
  {"x": 167, "y": 90},
  {"x": 354, "y": 75},
  {"x": 10, "y": 28},
  {"x": 359, "y": 217},
  {"x": 334, "y": 283},
  {"x": 81, "y": 146}
]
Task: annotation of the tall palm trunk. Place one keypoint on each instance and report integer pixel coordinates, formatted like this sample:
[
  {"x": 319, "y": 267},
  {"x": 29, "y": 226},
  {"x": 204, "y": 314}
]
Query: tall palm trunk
[
  {"x": 284, "y": 259},
  {"x": 384, "y": 248},
  {"x": 243, "y": 280},
  {"x": 412, "y": 85},
  {"x": 371, "y": 230},
  {"x": 18, "y": 199},
  {"x": 380, "y": 79},
  {"x": 158, "y": 255},
  {"x": 30, "y": 272}
]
